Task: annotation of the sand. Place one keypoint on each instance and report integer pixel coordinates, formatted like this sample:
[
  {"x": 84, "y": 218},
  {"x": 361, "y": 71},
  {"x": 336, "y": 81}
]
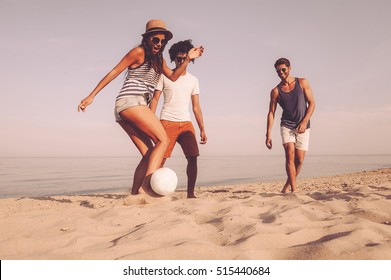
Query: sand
[{"x": 329, "y": 218}]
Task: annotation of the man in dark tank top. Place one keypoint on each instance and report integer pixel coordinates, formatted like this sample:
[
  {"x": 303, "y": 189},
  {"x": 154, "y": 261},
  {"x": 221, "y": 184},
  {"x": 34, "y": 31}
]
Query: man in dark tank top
[{"x": 297, "y": 102}]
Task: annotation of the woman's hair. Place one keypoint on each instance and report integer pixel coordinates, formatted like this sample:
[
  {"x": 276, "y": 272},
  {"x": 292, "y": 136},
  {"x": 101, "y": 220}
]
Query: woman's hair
[
  {"x": 180, "y": 47},
  {"x": 154, "y": 61}
]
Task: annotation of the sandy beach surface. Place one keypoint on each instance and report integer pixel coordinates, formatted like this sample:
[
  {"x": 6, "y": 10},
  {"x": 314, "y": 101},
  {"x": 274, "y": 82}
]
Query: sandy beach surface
[{"x": 330, "y": 218}]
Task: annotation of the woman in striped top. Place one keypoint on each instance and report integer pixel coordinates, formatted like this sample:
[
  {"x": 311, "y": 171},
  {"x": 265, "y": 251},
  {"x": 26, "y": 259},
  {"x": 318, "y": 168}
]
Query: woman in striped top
[{"x": 144, "y": 64}]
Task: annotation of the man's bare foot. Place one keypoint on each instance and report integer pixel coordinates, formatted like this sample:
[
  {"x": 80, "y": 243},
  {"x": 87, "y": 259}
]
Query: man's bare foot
[
  {"x": 191, "y": 196},
  {"x": 293, "y": 190},
  {"x": 285, "y": 189}
]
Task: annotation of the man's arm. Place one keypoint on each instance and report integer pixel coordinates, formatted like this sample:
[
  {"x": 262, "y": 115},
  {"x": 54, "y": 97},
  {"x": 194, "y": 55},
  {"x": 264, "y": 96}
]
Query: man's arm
[
  {"x": 155, "y": 100},
  {"x": 311, "y": 105},
  {"x": 270, "y": 117},
  {"x": 195, "y": 100}
]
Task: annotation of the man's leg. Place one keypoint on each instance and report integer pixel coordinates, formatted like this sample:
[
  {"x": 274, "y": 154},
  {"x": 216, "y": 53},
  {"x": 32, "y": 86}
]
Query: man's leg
[
  {"x": 299, "y": 160},
  {"x": 188, "y": 142},
  {"x": 301, "y": 146},
  {"x": 191, "y": 172},
  {"x": 290, "y": 167}
]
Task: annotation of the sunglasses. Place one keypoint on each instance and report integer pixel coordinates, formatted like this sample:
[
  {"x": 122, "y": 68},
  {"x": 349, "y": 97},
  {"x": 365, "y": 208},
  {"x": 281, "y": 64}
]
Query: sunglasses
[
  {"x": 282, "y": 70},
  {"x": 180, "y": 59},
  {"x": 156, "y": 40}
]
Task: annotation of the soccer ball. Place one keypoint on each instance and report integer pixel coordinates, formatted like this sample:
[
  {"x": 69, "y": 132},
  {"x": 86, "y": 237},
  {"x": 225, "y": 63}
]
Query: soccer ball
[{"x": 164, "y": 181}]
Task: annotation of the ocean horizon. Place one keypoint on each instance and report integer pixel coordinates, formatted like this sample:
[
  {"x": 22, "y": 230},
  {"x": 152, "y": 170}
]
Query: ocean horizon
[{"x": 54, "y": 176}]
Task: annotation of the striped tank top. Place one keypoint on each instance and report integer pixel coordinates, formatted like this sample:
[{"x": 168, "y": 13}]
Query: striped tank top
[{"x": 141, "y": 80}]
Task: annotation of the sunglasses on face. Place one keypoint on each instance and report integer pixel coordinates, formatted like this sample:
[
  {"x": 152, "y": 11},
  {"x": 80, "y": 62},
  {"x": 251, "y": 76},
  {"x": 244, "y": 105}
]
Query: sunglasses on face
[
  {"x": 156, "y": 40},
  {"x": 282, "y": 70},
  {"x": 180, "y": 59}
]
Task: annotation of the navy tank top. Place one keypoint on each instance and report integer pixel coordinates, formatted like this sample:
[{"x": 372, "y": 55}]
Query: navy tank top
[{"x": 294, "y": 106}]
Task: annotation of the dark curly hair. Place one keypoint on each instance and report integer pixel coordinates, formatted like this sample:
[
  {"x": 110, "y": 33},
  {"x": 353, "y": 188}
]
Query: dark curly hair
[
  {"x": 282, "y": 61},
  {"x": 180, "y": 47}
]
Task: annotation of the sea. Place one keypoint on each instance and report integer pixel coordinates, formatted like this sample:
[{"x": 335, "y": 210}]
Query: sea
[{"x": 55, "y": 176}]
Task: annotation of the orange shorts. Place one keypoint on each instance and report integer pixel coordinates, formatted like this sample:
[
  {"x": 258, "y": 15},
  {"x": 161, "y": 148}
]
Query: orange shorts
[{"x": 184, "y": 134}]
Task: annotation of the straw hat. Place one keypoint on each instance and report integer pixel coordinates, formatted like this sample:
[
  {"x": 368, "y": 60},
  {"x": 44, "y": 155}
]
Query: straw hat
[{"x": 157, "y": 25}]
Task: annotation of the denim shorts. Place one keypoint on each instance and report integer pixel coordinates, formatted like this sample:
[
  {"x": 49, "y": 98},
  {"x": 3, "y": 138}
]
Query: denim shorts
[{"x": 128, "y": 102}]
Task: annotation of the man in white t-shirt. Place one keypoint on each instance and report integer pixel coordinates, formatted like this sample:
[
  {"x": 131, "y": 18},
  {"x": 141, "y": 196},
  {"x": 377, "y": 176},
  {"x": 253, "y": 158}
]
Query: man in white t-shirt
[{"x": 175, "y": 113}]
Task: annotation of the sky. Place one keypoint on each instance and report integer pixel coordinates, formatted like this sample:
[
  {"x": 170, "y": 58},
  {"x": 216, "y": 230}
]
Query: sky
[{"x": 53, "y": 53}]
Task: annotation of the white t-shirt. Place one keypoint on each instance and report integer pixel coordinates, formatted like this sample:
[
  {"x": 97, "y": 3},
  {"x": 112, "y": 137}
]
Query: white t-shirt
[{"x": 177, "y": 97}]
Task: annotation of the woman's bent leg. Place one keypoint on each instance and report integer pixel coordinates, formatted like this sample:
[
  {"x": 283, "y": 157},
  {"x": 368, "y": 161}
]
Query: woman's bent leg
[
  {"x": 146, "y": 122},
  {"x": 145, "y": 146}
]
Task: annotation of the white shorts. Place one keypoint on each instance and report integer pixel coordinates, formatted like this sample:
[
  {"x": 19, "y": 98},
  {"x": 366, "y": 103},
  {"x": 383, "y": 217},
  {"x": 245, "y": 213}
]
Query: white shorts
[{"x": 301, "y": 140}]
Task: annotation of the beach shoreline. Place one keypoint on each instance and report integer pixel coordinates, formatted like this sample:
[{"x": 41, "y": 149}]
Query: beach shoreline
[{"x": 346, "y": 216}]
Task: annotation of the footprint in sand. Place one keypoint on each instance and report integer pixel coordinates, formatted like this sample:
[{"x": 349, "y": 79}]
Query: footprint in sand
[{"x": 143, "y": 199}]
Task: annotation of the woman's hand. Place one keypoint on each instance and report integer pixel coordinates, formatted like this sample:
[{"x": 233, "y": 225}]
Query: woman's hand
[{"x": 84, "y": 103}]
